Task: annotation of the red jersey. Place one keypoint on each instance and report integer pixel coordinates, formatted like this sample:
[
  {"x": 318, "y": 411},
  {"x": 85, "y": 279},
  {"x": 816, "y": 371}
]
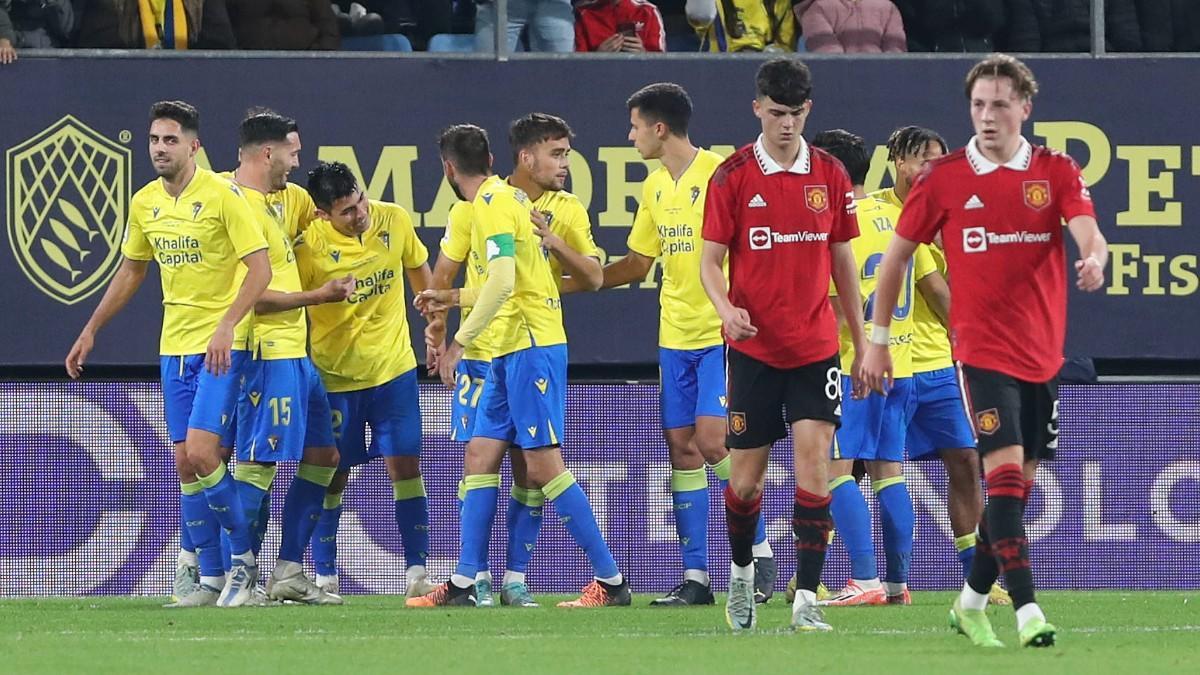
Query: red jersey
[
  {"x": 779, "y": 224},
  {"x": 599, "y": 20},
  {"x": 1002, "y": 229}
]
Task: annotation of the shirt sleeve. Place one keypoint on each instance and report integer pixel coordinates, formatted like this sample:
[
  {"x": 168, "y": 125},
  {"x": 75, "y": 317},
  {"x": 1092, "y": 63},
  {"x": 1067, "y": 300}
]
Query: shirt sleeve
[
  {"x": 135, "y": 245},
  {"x": 1074, "y": 197},
  {"x": 413, "y": 254},
  {"x": 845, "y": 208},
  {"x": 577, "y": 231},
  {"x": 922, "y": 217},
  {"x": 923, "y": 263},
  {"x": 302, "y": 210},
  {"x": 643, "y": 236},
  {"x": 495, "y": 215},
  {"x": 719, "y": 224},
  {"x": 304, "y": 262},
  {"x": 245, "y": 231},
  {"x": 456, "y": 242},
  {"x": 654, "y": 38}
]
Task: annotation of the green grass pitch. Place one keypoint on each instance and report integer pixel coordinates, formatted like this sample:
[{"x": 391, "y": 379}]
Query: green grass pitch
[{"x": 1100, "y": 632}]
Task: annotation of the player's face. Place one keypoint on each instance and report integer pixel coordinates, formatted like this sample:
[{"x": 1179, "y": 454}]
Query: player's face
[
  {"x": 644, "y": 136},
  {"x": 171, "y": 148},
  {"x": 350, "y": 215},
  {"x": 548, "y": 163},
  {"x": 283, "y": 159},
  {"x": 781, "y": 124},
  {"x": 908, "y": 168},
  {"x": 997, "y": 112}
]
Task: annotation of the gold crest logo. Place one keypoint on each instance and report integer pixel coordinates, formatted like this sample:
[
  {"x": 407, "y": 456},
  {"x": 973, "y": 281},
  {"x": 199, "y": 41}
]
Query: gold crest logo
[
  {"x": 816, "y": 197},
  {"x": 1037, "y": 193},
  {"x": 737, "y": 423},
  {"x": 988, "y": 421},
  {"x": 68, "y": 193}
]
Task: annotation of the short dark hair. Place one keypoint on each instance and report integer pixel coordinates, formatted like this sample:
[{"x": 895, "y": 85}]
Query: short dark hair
[
  {"x": 180, "y": 111},
  {"x": 262, "y": 125},
  {"x": 466, "y": 147},
  {"x": 664, "y": 102},
  {"x": 850, "y": 149},
  {"x": 1004, "y": 65},
  {"x": 910, "y": 140},
  {"x": 329, "y": 182},
  {"x": 784, "y": 80},
  {"x": 534, "y": 128}
]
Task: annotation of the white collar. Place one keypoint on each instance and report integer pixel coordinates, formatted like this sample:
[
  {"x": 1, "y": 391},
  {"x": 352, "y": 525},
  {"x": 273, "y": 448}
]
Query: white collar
[
  {"x": 770, "y": 166},
  {"x": 982, "y": 165}
]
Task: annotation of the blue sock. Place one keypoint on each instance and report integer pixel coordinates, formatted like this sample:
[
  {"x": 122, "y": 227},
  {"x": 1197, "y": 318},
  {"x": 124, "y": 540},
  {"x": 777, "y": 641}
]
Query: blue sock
[
  {"x": 896, "y": 516},
  {"x": 253, "y": 499},
  {"x": 689, "y": 497},
  {"x": 221, "y": 493},
  {"x": 575, "y": 513},
  {"x": 478, "y": 514},
  {"x": 324, "y": 539},
  {"x": 481, "y": 565},
  {"x": 185, "y": 537},
  {"x": 412, "y": 519},
  {"x": 203, "y": 530},
  {"x": 302, "y": 509},
  {"x": 966, "y": 551},
  {"x": 226, "y": 556},
  {"x": 853, "y": 523},
  {"x": 524, "y": 523}
]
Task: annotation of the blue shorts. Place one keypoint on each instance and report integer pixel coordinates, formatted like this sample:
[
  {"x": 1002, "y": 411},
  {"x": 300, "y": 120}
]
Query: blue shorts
[
  {"x": 393, "y": 412},
  {"x": 194, "y": 398},
  {"x": 874, "y": 428},
  {"x": 469, "y": 378},
  {"x": 524, "y": 399},
  {"x": 283, "y": 409},
  {"x": 940, "y": 421},
  {"x": 692, "y": 384}
]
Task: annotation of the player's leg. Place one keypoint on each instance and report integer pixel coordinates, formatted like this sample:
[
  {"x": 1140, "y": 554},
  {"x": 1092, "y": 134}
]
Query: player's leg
[
  {"x": 469, "y": 377},
  {"x": 896, "y": 513},
  {"x": 552, "y": 26},
  {"x": 485, "y": 25},
  {"x": 324, "y": 539},
  {"x": 524, "y": 521}
]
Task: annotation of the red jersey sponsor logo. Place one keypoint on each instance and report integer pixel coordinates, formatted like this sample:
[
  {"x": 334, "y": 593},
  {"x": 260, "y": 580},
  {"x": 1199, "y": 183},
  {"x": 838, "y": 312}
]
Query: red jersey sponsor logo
[
  {"x": 764, "y": 238},
  {"x": 978, "y": 239},
  {"x": 1037, "y": 193},
  {"x": 816, "y": 197}
]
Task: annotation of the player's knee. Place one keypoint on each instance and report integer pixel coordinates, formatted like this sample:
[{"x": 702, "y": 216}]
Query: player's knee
[
  {"x": 884, "y": 470},
  {"x": 745, "y": 488},
  {"x": 321, "y": 456},
  {"x": 338, "y": 485},
  {"x": 403, "y": 468},
  {"x": 685, "y": 456}
]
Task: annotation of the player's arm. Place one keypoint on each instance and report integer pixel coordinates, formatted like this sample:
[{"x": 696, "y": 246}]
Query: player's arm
[
  {"x": 633, "y": 267},
  {"x": 734, "y": 320},
  {"x": 420, "y": 278},
  {"x": 1093, "y": 252},
  {"x": 844, "y": 270},
  {"x": 877, "y": 364},
  {"x": 584, "y": 271},
  {"x": 334, "y": 290},
  {"x": 219, "y": 357},
  {"x": 936, "y": 292},
  {"x": 496, "y": 290},
  {"x": 120, "y": 291},
  {"x": 444, "y": 273}
]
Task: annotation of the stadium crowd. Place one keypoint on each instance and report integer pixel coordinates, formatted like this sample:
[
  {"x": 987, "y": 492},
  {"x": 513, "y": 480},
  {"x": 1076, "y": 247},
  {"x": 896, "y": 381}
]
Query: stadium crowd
[{"x": 821, "y": 26}]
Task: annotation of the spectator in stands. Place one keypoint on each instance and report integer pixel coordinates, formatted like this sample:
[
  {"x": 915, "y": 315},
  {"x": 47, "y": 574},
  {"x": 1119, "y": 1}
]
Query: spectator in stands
[
  {"x": 743, "y": 25},
  {"x": 618, "y": 26},
  {"x": 133, "y": 24},
  {"x": 1066, "y": 26},
  {"x": 551, "y": 25},
  {"x": 284, "y": 24},
  {"x": 952, "y": 25},
  {"x": 851, "y": 26},
  {"x": 34, "y": 24}
]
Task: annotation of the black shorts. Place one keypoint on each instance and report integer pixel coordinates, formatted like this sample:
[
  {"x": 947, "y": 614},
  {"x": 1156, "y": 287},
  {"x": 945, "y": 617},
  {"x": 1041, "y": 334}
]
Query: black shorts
[
  {"x": 764, "y": 400},
  {"x": 1006, "y": 411}
]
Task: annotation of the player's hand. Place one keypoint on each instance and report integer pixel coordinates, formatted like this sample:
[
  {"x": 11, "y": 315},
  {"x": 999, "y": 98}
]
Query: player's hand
[
  {"x": 435, "y": 342},
  {"x": 632, "y": 43},
  {"x": 858, "y": 387},
  {"x": 430, "y": 300},
  {"x": 1091, "y": 274},
  {"x": 877, "y": 368},
  {"x": 612, "y": 44},
  {"x": 219, "y": 357},
  {"x": 7, "y": 53},
  {"x": 541, "y": 227},
  {"x": 449, "y": 363},
  {"x": 737, "y": 325},
  {"x": 79, "y": 353},
  {"x": 337, "y": 290}
]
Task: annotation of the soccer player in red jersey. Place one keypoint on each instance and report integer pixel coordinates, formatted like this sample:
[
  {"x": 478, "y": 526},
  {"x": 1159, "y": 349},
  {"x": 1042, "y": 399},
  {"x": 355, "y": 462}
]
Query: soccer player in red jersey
[
  {"x": 781, "y": 213},
  {"x": 999, "y": 204}
]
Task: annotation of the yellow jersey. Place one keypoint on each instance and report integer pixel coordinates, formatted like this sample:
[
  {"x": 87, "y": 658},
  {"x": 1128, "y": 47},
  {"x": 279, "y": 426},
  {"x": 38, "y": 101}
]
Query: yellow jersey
[
  {"x": 532, "y": 316},
  {"x": 877, "y": 220},
  {"x": 668, "y": 225},
  {"x": 569, "y": 220},
  {"x": 363, "y": 341},
  {"x": 198, "y": 240},
  {"x": 763, "y": 25},
  {"x": 931, "y": 342},
  {"x": 456, "y": 245}
]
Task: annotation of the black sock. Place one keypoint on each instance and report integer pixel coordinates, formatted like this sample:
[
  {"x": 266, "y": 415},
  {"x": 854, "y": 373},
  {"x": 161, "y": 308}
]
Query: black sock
[
  {"x": 984, "y": 570},
  {"x": 741, "y": 518},
  {"x": 1010, "y": 548},
  {"x": 811, "y": 524}
]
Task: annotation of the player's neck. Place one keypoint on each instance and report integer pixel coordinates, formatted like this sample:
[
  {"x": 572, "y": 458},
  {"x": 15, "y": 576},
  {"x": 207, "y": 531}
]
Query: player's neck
[
  {"x": 176, "y": 186},
  {"x": 678, "y": 155},
  {"x": 526, "y": 184},
  {"x": 1003, "y": 155},
  {"x": 784, "y": 155},
  {"x": 469, "y": 186},
  {"x": 248, "y": 177},
  {"x": 901, "y": 190},
  {"x": 859, "y": 192}
]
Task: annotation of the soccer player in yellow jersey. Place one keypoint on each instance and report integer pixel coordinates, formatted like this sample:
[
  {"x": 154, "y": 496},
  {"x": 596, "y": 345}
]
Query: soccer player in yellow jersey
[
  {"x": 541, "y": 146},
  {"x": 873, "y": 428},
  {"x": 940, "y": 427},
  {"x": 364, "y": 351},
  {"x": 283, "y": 411},
  {"x": 691, "y": 349},
  {"x": 213, "y": 262},
  {"x": 524, "y": 398}
]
